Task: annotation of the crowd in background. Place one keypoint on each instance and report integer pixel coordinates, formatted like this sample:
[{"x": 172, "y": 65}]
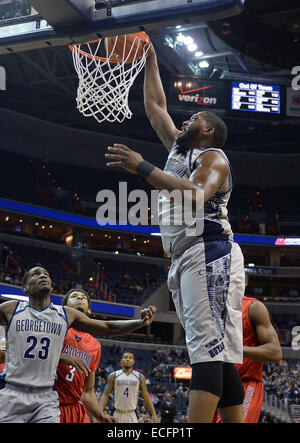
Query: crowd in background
[{"x": 281, "y": 380}]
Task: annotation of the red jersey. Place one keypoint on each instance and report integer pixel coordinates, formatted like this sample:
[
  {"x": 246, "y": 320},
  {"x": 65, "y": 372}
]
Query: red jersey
[
  {"x": 249, "y": 369},
  {"x": 70, "y": 382},
  {"x": 2, "y": 366}
]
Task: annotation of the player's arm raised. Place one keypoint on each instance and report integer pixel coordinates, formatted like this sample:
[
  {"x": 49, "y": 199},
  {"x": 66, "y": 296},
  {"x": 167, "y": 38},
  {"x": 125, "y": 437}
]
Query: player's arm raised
[
  {"x": 156, "y": 104},
  {"x": 268, "y": 349},
  {"x": 209, "y": 175},
  {"x": 109, "y": 328},
  {"x": 148, "y": 402}
]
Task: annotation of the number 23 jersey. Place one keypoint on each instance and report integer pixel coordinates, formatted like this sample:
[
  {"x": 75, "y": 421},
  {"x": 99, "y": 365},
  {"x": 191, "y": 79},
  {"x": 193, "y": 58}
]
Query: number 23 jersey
[
  {"x": 70, "y": 382},
  {"x": 34, "y": 341}
]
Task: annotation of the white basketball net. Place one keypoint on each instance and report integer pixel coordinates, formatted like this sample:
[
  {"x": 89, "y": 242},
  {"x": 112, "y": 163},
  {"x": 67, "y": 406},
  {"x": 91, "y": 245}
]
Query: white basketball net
[{"x": 104, "y": 85}]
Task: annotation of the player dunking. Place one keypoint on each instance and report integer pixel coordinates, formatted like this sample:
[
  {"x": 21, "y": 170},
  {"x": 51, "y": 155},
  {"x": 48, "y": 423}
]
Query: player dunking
[
  {"x": 35, "y": 333},
  {"x": 261, "y": 345},
  {"x": 206, "y": 277},
  {"x": 126, "y": 384},
  {"x": 75, "y": 389}
]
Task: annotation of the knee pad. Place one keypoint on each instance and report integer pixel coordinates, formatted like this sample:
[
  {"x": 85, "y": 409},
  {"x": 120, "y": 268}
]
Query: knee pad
[
  {"x": 233, "y": 389},
  {"x": 207, "y": 376}
]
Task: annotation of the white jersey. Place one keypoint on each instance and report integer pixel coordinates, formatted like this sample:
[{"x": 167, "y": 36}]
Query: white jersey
[
  {"x": 213, "y": 220},
  {"x": 34, "y": 343},
  {"x": 126, "y": 390}
]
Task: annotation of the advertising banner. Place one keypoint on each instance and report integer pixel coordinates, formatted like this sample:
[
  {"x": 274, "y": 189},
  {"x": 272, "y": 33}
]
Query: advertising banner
[{"x": 196, "y": 94}]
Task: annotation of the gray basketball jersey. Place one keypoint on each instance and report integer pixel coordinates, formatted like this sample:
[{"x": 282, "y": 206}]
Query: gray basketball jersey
[
  {"x": 34, "y": 343},
  {"x": 126, "y": 390},
  {"x": 180, "y": 233}
]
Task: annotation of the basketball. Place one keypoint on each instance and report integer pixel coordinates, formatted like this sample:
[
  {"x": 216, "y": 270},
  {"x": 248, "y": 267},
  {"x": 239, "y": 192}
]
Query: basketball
[{"x": 126, "y": 48}]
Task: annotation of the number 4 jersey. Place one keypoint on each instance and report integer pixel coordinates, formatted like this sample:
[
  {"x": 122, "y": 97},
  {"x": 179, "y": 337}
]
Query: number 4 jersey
[
  {"x": 126, "y": 389},
  {"x": 70, "y": 382},
  {"x": 34, "y": 341}
]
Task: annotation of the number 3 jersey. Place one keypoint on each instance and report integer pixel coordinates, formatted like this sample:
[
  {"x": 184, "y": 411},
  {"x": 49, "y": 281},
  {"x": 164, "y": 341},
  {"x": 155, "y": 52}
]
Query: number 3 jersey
[
  {"x": 70, "y": 382},
  {"x": 34, "y": 343}
]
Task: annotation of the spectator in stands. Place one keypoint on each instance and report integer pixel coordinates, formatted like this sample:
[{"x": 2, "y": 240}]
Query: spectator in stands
[
  {"x": 4, "y": 256},
  {"x": 168, "y": 409},
  {"x": 115, "y": 349},
  {"x": 295, "y": 392},
  {"x": 143, "y": 414},
  {"x": 147, "y": 280},
  {"x": 183, "y": 419},
  {"x": 109, "y": 369},
  {"x": 101, "y": 384},
  {"x": 155, "y": 400},
  {"x": 98, "y": 393},
  {"x": 161, "y": 371},
  {"x": 101, "y": 372},
  {"x": 179, "y": 391},
  {"x": 263, "y": 419},
  {"x": 157, "y": 389}
]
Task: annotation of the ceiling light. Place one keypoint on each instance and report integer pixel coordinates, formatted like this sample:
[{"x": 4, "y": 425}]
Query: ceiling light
[
  {"x": 180, "y": 38},
  {"x": 192, "y": 47},
  {"x": 188, "y": 40},
  {"x": 203, "y": 64},
  {"x": 198, "y": 54}
]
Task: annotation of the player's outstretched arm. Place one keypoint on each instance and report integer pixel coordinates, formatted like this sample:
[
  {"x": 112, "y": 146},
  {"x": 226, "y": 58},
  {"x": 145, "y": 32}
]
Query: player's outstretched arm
[
  {"x": 90, "y": 401},
  {"x": 111, "y": 328},
  {"x": 207, "y": 178},
  {"x": 268, "y": 349},
  {"x": 156, "y": 104}
]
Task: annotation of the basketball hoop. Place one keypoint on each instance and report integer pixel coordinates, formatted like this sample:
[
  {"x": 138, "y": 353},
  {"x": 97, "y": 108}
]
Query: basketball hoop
[{"x": 107, "y": 68}]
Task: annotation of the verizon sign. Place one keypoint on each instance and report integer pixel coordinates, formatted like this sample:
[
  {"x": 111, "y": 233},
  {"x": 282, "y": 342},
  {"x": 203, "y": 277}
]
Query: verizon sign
[{"x": 197, "y": 94}]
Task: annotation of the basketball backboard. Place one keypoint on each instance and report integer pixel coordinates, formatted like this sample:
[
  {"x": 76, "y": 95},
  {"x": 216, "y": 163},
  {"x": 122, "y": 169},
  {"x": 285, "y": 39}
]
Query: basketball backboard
[{"x": 33, "y": 24}]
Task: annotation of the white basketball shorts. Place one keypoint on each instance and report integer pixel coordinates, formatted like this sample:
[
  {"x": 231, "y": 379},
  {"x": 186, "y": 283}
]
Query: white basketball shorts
[
  {"x": 207, "y": 283},
  {"x": 23, "y": 405},
  {"x": 125, "y": 416}
]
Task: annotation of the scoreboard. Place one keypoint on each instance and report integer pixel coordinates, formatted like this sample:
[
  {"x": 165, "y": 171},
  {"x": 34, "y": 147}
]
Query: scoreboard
[{"x": 255, "y": 97}]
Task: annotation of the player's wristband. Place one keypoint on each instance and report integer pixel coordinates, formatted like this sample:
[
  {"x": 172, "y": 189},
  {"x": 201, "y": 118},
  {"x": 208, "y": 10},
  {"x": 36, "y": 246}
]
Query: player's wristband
[{"x": 144, "y": 169}]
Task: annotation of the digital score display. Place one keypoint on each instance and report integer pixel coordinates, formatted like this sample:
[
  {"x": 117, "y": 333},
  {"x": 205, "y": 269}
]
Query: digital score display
[{"x": 255, "y": 97}]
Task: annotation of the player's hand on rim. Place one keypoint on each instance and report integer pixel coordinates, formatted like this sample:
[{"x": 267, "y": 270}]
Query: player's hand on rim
[{"x": 123, "y": 157}]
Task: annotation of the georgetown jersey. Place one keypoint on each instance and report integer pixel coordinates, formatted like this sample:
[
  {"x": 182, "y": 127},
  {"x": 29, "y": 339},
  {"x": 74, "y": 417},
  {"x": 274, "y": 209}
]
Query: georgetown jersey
[
  {"x": 126, "y": 389},
  {"x": 180, "y": 229},
  {"x": 34, "y": 343}
]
